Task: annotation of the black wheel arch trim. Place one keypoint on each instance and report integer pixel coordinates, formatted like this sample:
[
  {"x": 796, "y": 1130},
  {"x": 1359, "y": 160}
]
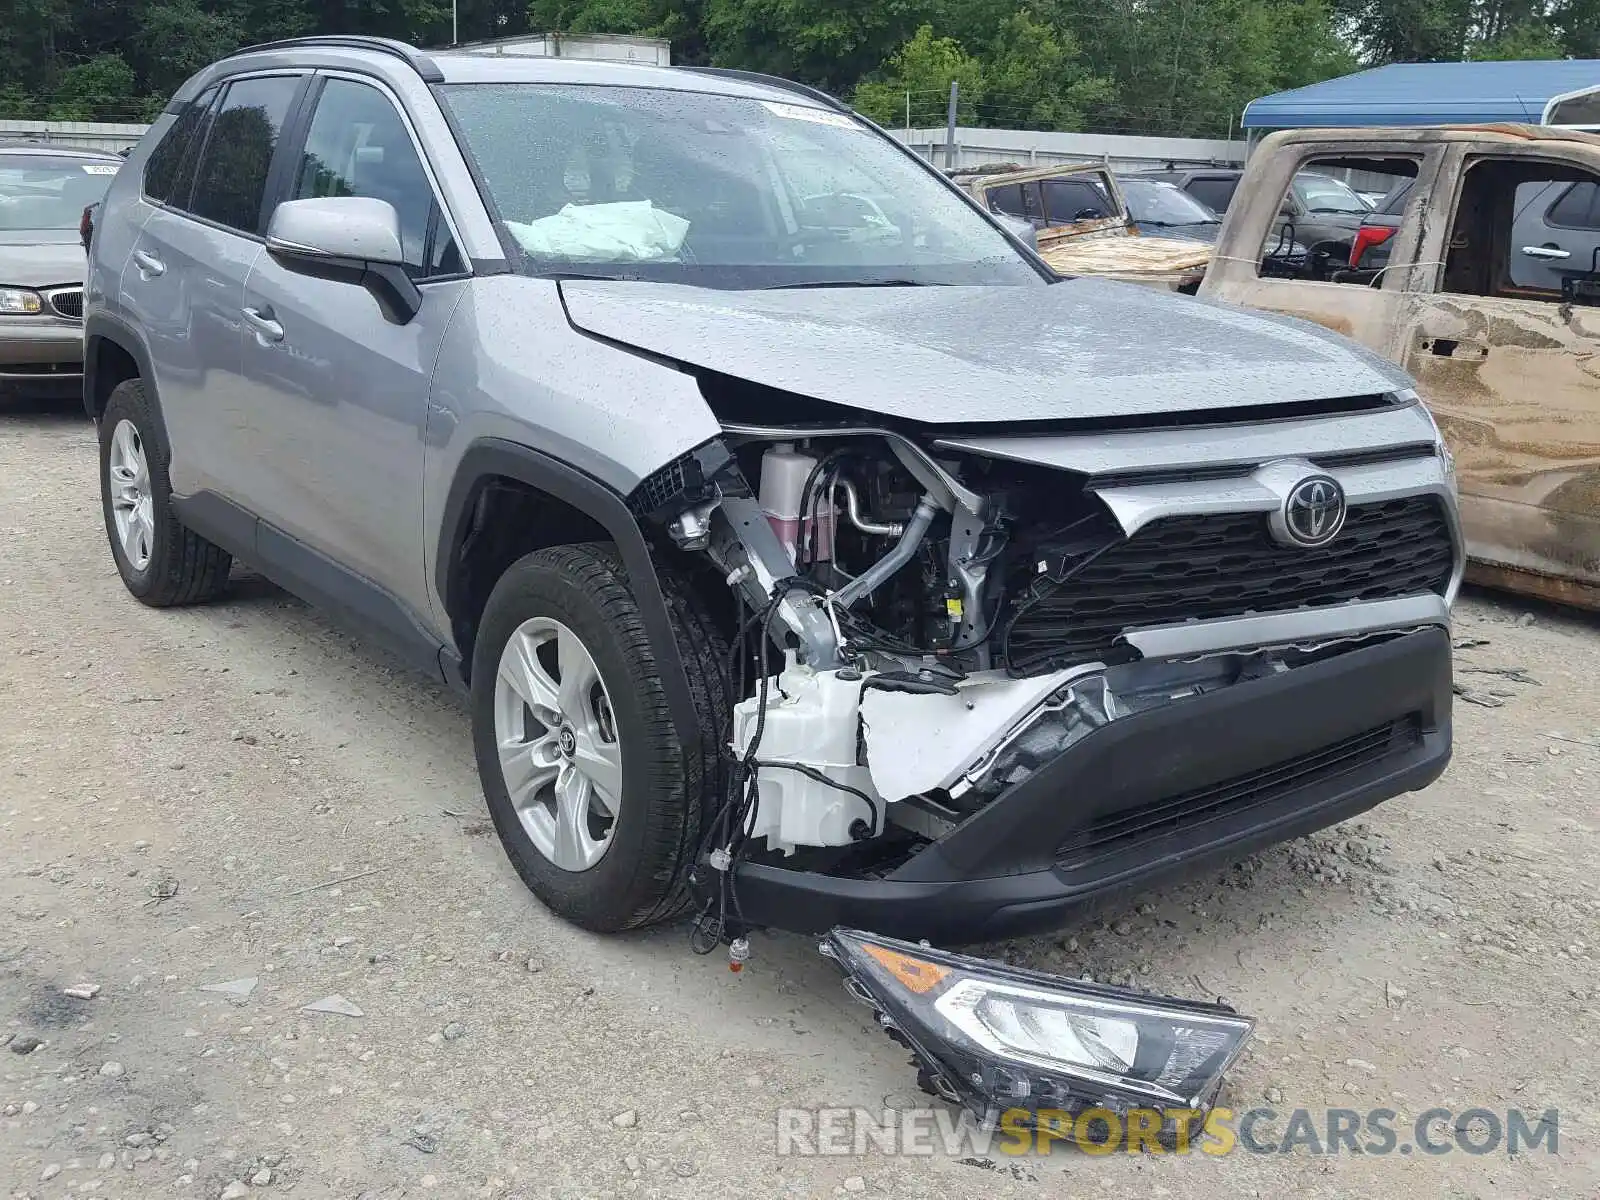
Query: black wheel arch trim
[
  {"x": 491, "y": 457},
  {"x": 101, "y": 327}
]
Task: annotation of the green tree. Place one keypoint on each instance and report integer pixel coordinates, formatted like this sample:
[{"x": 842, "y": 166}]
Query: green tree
[
  {"x": 676, "y": 20},
  {"x": 1036, "y": 77},
  {"x": 830, "y": 43},
  {"x": 922, "y": 70},
  {"x": 100, "y": 89},
  {"x": 177, "y": 37},
  {"x": 1521, "y": 41}
]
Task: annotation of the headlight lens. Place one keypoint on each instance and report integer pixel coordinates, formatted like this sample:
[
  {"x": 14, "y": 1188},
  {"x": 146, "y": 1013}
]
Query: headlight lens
[
  {"x": 995, "y": 1037},
  {"x": 20, "y": 302}
]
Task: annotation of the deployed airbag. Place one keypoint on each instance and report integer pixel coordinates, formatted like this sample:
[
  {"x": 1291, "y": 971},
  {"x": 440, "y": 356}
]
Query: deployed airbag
[{"x": 626, "y": 231}]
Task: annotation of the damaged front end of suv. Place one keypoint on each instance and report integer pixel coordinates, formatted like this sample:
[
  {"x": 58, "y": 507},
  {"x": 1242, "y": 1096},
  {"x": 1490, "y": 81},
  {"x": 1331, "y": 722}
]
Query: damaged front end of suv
[
  {"x": 990, "y": 671},
  {"x": 987, "y": 677}
]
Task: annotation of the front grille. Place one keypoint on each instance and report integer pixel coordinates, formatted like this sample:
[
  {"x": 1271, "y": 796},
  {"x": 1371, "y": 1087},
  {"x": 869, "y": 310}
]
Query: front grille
[
  {"x": 1121, "y": 830},
  {"x": 67, "y": 303},
  {"x": 1194, "y": 567}
]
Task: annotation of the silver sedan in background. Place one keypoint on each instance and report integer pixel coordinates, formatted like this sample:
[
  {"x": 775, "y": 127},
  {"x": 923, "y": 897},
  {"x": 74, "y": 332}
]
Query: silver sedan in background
[{"x": 43, "y": 193}]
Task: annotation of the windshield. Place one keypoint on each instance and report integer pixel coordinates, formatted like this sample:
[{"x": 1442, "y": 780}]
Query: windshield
[
  {"x": 1320, "y": 194},
  {"x": 719, "y": 191},
  {"x": 45, "y": 192},
  {"x": 1155, "y": 203}
]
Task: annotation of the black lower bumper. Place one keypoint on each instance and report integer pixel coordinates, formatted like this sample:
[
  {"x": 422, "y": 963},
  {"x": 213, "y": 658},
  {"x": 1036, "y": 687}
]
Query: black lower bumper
[{"x": 1201, "y": 781}]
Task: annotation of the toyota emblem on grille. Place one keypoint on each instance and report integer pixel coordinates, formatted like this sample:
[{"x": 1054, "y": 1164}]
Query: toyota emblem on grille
[{"x": 1314, "y": 512}]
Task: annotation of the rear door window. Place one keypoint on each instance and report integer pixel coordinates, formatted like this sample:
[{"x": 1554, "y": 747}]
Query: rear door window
[
  {"x": 1525, "y": 229},
  {"x": 231, "y": 181}
]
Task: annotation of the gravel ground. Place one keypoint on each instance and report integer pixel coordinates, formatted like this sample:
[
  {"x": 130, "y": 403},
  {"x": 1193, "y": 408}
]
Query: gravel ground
[{"x": 242, "y": 792}]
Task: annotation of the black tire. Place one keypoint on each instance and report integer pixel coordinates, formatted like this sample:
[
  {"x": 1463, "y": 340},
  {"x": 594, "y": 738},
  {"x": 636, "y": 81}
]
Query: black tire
[
  {"x": 184, "y": 568},
  {"x": 666, "y": 792}
]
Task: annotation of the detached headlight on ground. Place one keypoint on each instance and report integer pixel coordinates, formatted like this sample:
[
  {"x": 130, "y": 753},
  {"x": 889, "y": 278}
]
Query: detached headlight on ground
[
  {"x": 995, "y": 1038},
  {"x": 20, "y": 302}
]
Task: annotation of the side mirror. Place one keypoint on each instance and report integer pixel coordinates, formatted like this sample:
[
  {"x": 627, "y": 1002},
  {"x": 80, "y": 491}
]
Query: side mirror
[
  {"x": 353, "y": 228},
  {"x": 352, "y": 239}
]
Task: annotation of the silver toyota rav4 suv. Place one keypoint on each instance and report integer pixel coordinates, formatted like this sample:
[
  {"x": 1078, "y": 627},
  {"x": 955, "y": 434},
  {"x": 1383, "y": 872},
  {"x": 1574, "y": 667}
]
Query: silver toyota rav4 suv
[{"x": 808, "y": 553}]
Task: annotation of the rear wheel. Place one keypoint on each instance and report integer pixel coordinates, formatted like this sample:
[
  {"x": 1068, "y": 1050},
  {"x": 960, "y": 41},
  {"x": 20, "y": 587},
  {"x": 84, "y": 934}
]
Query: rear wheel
[
  {"x": 595, "y": 798},
  {"x": 161, "y": 561}
]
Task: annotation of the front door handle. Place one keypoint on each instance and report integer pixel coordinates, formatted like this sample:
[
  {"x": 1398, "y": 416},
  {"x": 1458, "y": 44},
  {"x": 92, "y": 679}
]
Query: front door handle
[
  {"x": 261, "y": 320},
  {"x": 149, "y": 265},
  {"x": 1547, "y": 253}
]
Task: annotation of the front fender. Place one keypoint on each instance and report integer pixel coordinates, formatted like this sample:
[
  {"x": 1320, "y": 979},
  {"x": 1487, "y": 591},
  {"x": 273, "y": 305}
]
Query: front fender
[{"x": 517, "y": 392}]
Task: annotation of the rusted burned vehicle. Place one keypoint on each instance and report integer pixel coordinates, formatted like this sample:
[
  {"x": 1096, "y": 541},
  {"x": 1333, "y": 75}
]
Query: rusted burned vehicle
[
  {"x": 1084, "y": 226},
  {"x": 1486, "y": 289}
]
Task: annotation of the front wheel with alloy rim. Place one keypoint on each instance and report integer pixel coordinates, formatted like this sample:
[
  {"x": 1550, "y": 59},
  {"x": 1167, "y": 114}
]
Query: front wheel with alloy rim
[
  {"x": 161, "y": 561},
  {"x": 594, "y": 796}
]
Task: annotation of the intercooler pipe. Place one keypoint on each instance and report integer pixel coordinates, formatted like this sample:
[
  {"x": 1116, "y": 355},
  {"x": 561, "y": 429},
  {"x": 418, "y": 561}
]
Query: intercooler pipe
[
  {"x": 916, "y": 529},
  {"x": 852, "y": 508}
]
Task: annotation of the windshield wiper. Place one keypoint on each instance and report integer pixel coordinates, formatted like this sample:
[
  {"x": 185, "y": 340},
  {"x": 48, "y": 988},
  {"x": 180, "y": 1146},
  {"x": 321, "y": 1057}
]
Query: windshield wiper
[
  {"x": 1180, "y": 224},
  {"x": 827, "y": 283},
  {"x": 588, "y": 277}
]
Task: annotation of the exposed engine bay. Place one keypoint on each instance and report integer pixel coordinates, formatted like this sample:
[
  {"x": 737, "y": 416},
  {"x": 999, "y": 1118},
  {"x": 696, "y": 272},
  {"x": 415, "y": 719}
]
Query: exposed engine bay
[
  {"x": 895, "y": 626},
  {"x": 920, "y": 632}
]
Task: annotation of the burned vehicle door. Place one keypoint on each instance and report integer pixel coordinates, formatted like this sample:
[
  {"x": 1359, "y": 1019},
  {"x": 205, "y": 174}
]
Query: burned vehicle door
[
  {"x": 1073, "y": 200},
  {"x": 1255, "y": 263},
  {"x": 1506, "y": 351}
]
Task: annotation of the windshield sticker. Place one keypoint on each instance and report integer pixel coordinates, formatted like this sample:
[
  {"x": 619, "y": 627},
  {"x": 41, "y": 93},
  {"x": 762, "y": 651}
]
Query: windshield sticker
[
  {"x": 802, "y": 112},
  {"x": 99, "y": 169}
]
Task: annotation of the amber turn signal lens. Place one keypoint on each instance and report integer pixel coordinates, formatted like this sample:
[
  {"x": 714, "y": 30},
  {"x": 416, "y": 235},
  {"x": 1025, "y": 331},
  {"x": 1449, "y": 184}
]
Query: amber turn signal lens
[{"x": 915, "y": 976}]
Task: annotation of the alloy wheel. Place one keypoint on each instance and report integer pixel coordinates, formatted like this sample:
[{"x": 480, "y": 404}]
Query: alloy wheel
[
  {"x": 131, "y": 504},
  {"x": 559, "y": 751}
]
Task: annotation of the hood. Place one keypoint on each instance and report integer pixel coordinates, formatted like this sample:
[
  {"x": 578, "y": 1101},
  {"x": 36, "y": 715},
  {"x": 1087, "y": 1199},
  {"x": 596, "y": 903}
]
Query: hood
[
  {"x": 41, "y": 258},
  {"x": 1079, "y": 349}
]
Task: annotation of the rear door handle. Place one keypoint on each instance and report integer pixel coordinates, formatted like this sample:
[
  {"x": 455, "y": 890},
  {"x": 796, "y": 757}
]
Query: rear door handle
[
  {"x": 1548, "y": 253},
  {"x": 149, "y": 265},
  {"x": 261, "y": 320}
]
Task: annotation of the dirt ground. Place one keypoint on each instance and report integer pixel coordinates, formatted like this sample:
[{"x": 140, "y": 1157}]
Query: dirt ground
[{"x": 242, "y": 792}]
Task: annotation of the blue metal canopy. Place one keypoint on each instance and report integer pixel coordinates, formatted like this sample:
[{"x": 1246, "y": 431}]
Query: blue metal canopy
[{"x": 1451, "y": 93}]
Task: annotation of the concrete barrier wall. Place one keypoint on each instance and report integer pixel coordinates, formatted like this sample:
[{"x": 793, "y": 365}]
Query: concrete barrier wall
[
  {"x": 1036, "y": 148},
  {"x": 90, "y": 135}
]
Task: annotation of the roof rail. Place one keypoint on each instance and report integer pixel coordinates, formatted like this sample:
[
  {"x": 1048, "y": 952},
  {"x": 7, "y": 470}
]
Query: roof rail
[
  {"x": 410, "y": 55},
  {"x": 776, "y": 81}
]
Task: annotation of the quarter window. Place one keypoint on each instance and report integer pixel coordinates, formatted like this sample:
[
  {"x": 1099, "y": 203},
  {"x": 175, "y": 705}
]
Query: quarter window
[
  {"x": 359, "y": 146},
  {"x": 165, "y": 180},
  {"x": 1578, "y": 207},
  {"x": 231, "y": 182}
]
